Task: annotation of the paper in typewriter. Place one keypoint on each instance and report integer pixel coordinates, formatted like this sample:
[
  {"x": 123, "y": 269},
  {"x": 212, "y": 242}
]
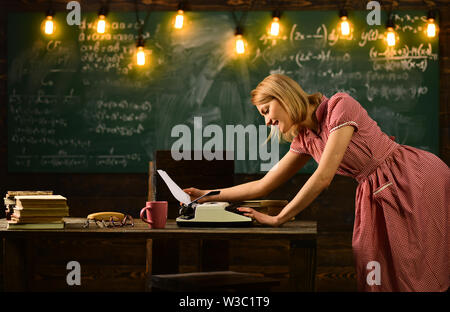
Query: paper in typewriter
[{"x": 176, "y": 191}]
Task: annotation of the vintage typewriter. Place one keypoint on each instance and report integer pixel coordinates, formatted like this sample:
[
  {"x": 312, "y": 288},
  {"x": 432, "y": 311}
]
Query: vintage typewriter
[{"x": 208, "y": 214}]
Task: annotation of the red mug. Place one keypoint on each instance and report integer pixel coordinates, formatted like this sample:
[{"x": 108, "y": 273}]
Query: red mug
[{"x": 155, "y": 214}]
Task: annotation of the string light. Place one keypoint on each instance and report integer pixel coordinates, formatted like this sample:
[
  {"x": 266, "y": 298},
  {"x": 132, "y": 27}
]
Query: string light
[
  {"x": 101, "y": 22},
  {"x": 49, "y": 24},
  {"x": 431, "y": 26},
  {"x": 240, "y": 46},
  {"x": 344, "y": 24},
  {"x": 140, "y": 52},
  {"x": 390, "y": 34},
  {"x": 275, "y": 25}
]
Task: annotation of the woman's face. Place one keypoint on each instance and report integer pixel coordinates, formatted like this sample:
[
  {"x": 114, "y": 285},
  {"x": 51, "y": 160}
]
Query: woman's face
[{"x": 275, "y": 115}]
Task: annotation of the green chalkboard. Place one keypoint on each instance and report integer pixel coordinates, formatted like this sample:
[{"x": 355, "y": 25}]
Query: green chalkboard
[{"x": 78, "y": 103}]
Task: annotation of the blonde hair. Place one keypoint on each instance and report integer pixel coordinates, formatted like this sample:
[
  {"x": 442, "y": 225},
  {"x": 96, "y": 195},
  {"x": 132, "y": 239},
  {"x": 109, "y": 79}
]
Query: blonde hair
[{"x": 291, "y": 97}]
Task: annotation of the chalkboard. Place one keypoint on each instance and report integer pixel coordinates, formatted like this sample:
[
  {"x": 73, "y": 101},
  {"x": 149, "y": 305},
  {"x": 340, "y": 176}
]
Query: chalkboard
[{"x": 78, "y": 103}]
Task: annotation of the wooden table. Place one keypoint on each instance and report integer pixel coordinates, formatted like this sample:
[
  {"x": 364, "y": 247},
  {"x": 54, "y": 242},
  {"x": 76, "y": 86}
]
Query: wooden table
[{"x": 301, "y": 235}]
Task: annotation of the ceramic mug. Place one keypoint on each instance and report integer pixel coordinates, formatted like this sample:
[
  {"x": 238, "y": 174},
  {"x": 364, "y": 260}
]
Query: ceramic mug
[{"x": 155, "y": 214}]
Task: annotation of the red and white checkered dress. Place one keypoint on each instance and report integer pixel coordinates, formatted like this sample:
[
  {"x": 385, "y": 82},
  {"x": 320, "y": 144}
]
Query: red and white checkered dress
[{"x": 402, "y": 201}]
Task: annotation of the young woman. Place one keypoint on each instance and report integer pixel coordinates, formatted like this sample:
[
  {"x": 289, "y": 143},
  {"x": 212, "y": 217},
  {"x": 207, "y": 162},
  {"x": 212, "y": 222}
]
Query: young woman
[{"x": 402, "y": 200}]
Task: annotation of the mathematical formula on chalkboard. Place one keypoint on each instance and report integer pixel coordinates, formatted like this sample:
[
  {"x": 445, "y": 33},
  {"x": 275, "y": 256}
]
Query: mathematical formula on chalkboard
[{"x": 78, "y": 103}]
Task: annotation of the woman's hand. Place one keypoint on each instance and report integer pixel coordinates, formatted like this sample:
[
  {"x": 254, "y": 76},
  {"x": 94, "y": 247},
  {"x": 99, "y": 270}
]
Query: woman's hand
[
  {"x": 260, "y": 217},
  {"x": 196, "y": 193}
]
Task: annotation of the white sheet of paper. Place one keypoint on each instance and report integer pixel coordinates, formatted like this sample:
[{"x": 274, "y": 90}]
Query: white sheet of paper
[{"x": 176, "y": 191}]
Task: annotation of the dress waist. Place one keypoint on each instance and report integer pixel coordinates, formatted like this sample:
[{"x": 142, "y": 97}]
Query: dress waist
[{"x": 370, "y": 167}]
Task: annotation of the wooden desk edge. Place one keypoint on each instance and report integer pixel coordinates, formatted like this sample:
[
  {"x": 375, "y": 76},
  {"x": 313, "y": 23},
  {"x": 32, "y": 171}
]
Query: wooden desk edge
[{"x": 295, "y": 230}]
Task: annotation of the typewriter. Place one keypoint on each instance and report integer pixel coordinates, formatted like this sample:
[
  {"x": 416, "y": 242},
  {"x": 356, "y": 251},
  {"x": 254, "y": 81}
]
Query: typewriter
[{"x": 208, "y": 214}]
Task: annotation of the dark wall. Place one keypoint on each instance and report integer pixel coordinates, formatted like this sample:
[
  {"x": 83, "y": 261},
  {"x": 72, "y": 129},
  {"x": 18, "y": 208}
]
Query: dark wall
[{"x": 334, "y": 208}]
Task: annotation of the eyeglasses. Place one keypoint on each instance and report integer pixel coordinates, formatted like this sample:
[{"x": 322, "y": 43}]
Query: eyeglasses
[
  {"x": 113, "y": 222},
  {"x": 118, "y": 223}
]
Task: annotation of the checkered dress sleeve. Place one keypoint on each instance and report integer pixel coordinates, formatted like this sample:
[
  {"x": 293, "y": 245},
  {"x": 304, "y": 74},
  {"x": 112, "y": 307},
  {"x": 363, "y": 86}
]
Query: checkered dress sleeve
[
  {"x": 297, "y": 146},
  {"x": 343, "y": 110}
]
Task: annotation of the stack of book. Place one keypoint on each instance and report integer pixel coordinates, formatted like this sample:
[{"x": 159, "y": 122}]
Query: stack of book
[
  {"x": 10, "y": 201},
  {"x": 39, "y": 212}
]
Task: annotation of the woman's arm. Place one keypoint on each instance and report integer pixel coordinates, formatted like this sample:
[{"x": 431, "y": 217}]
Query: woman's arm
[
  {"x": 329, "y": 163},
  {"x": 290, "y": 164}
]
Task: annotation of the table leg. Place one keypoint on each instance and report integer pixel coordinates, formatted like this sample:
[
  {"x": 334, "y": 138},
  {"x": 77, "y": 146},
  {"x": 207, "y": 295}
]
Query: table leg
[
  {"x": 148, "y": 264},
  {"x": 15, "y": 273},
  {"x": 302, "y": 265}
]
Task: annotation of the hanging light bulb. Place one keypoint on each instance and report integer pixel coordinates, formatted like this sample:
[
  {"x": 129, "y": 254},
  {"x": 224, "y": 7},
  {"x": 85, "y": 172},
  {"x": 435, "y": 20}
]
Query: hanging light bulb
[
  {"x": 275, "y": 25},
  {"x": 431, "y": 29},
  {"x": 431, "y": 26},
  {"x": 140, "y": 52},
  {"x": 240, "y": 46},
  {"x": 179, "y": 19},
  {"x": 345, "y": 25},
  {"x": 390, "y": 34},
  {"x": 101, "y": 22},
  {"x": 390, "y": 37},
  {"x": 49, "y": 24}
]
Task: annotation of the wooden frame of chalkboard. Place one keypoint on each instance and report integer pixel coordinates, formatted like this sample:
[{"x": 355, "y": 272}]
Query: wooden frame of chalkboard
[{"x": 77, "y": 102}]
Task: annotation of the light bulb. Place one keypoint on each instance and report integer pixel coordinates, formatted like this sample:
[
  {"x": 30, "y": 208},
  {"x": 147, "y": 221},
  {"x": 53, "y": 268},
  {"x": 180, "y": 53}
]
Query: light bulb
[
  {"x": 431, "y": 28},
  {"x": 140, "y": 56},
  {"x": 275, "y": 27},
  {"x": 49, "y": 26},
  {"x": 390, "y": 34},
  {"x": 101, "y": 24},
  {"x": 240, "y": 49},
  {"x": 179, "y": 19},
  {"x": 390, "y": 37},
  {"x": 345, "y": 26}
]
